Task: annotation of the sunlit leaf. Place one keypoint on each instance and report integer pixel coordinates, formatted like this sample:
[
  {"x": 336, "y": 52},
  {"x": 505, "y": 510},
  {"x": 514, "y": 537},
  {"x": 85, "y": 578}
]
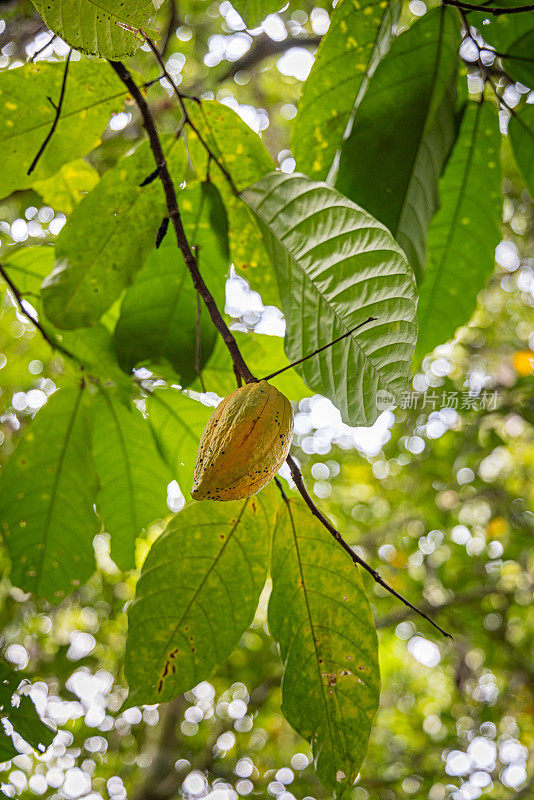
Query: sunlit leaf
[
  {"x": 320, "y": 616},
  {"x": 177, "y": 422},
  {"x": 64, "y": 190},
  {"x": 521, "y": 130},
  {"x": 158, "y": 319},
  {"x": 465, "y": 231},
  {"x": 27, "y": 115},
  {"x": 403, "y": 132},
  {"x": 337, "y": 266},
  {"x": 107, "y": 28},
  {"x": 107, "y": 240},
  {"x": 358, "y": 37},
  {"x": 132, "y": 477},
  {"x": 196, "y": 596},
  {"x": 246, "y": 159},
  {"x": 47, "y": 492}
]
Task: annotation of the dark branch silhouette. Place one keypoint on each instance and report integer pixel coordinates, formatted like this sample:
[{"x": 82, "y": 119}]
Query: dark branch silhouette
[
  {"x": 57, "y": 108},
  {"x": 496, "y": 12},
  {"x": 319, "y": 350}
]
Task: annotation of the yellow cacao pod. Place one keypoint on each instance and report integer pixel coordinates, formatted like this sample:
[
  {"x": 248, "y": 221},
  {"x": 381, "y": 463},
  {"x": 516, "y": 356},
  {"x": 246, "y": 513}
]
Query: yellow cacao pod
[{"x": 244, "y": 444}]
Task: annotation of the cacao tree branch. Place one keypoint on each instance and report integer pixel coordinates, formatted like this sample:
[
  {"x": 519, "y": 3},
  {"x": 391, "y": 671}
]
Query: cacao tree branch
[
  {"x": 57, "y": 108},
  {"x": 34, "y": 321},
  {"x": 240, "y": 367},
  {"x": 187, "y": 119},
  {"x": 263, "y": 47},
  {"x": 496, "y": 12},
  {"x": 174, "y": 214},
  {"x": 296, "y": 474}
]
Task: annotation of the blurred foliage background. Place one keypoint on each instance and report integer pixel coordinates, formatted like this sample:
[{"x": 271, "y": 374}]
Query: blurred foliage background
[{"x": 438, "y": 494}]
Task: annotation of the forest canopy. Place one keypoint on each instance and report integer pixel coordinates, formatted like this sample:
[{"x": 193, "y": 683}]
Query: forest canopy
[{"x": 279, "y": 256}]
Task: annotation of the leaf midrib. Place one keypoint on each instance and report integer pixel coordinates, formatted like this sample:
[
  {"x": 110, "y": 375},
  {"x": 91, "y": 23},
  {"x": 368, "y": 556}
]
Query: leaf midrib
[
  {"x": 195, "y": 595},
  {"x": 55, "y": 486}
]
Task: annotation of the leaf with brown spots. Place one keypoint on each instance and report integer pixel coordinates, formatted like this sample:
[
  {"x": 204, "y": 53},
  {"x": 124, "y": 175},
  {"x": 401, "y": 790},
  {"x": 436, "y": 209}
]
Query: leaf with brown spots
[
  {"x": 197, "y": 594},
  {"x": 320, "y": 616}
]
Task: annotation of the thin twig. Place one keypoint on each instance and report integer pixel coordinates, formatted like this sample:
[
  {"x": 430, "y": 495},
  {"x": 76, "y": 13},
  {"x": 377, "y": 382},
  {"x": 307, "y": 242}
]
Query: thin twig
[
  {"x": 34, "y": 321},
  {"x": 497, "y": 12},
  {"x": 41, "y": 49},
  {"x": 299, "y": 483},
  {"x": 174, "y": 214},
  {"x": 319, "y": 350},
  {"x": 240, "y": 367},
  {"x": 187, "y": 119},
  {"x": 57, "y": 108},
  {"x": 198, "y": 341}
]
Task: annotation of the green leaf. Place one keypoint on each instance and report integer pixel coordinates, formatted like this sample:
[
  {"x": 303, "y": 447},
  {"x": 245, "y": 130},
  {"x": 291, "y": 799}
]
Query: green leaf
[
  {"x": 107, "y": 240},
  {"x": 133, "y": 478},
  {"x": 177, "y": 422},
  {"x": 501, "y": 31},
  {"x": 263, "y": 354},
  {"x": 197, "y": 594},
  {"x": 253, "y": 12},
  {"x": 403, "y": 132},
  {"x": 9, "y": 681},
  {"x": 30, "y": 726},
  {"x": 64, "y": 190},
  {"x": 336, "y": 266},
  {"x": 358, "y": 37},
  {"x": 521, "y": 130},
  {"x": 158, "y": 320},
  {"x": 100, "y": 28},
  {"x": 246, "y": 159},
  {"x": 520, "y": 65},
  {"x": 465, "y": 231},
  {"x": 47, "y": 492},
  {"x": 92, "y": 95},
  {"x": 7, "y": 748},
  {"x": 92, "y": 347},
  {"x": 320, "y": 616}
]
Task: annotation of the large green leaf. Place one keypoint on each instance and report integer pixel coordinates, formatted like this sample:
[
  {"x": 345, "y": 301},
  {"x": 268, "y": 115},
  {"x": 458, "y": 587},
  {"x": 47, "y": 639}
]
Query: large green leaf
[
  {"x": 358, "y": 37},
  {"x": 92, "y": 94},
  {"x": 254, "y": 12},
  {"x": 336, "y": 266},
  {"x": 47, "y": 493},
  {"x": 521, "y": 130},
  {"x": 246, "y": 159},
  {"x": 403, "y": 132},
  {"x": 177, "y": 422},
  {"x": 465, "y": 231},
  {"x": 107, "y": 240},
  {"x": 263, "y": 354},
  {"x": 320, "y": 616},
  {"x": 132, "y": 476},
  {"x": 158, "y": 320},
  {"x": 102, "y": 28},
  {"x": 196, "y": 596}
]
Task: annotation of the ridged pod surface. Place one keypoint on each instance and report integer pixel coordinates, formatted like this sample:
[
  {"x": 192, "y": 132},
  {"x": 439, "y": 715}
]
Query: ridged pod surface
[{"x": 244, "y": 444}]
